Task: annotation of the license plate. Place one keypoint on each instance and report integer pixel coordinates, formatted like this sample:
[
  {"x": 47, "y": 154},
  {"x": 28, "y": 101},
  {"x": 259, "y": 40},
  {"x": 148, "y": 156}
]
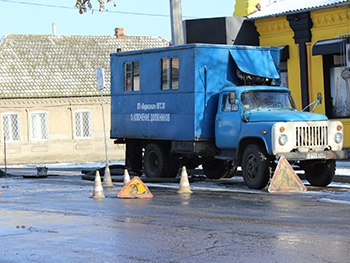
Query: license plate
[{"x": 315, "y": 156}]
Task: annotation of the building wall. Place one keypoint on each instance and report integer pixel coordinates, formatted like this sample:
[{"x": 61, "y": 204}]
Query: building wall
[
  {"x": 246, "y": 7},
  {"x": 62, "y": 144},
  {"x": 327, "y": 24},
  {"x": 277, "y": 32}
]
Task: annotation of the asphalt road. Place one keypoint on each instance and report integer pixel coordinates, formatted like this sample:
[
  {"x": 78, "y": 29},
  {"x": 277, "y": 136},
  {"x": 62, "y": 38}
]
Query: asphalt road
[{"x": 54, "y": 219}]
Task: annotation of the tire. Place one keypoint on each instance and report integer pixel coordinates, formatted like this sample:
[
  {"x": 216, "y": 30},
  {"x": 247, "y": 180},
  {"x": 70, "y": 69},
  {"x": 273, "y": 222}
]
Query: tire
[
  {"x": 158, "y": 161},
  {"x": 256, "y": 167},
  {"x": 215, "y": 169},
  {"x": 320, "y": 174}
]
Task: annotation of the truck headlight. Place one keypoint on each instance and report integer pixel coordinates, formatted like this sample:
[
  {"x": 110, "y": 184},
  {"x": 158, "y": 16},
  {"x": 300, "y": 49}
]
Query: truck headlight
[
  {"x": 283, "y": 139},
  {"x": 338, "y": 137}
]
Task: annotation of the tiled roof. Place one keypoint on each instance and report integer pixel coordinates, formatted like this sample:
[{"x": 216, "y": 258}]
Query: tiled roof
[
  {"x": 48, "y": 66},
  {"x": 272, "y": 8}
]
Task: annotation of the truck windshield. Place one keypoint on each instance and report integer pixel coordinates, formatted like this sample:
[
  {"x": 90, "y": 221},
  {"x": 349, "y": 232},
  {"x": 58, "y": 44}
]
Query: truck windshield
[{"x": 267, "y": 99}]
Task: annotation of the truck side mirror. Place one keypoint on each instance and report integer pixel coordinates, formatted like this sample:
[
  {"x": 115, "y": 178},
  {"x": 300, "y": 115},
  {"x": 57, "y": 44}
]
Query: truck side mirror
[
  {"x": 232, "y": 97},
  {"x": 319, "y": 98},
  {"x": 315, "y": 103}
]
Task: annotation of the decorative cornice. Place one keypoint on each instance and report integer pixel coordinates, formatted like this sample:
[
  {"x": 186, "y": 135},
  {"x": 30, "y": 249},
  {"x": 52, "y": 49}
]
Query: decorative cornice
[
  {"x": 279, "y": 25},
  {"x": 53, "y": 102},
  {"x": 334, "y": 16},
  {"x": 272, "y": 26}
]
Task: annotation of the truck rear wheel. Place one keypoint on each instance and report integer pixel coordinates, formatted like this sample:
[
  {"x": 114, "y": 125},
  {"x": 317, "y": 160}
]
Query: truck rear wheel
[
  {"x": 320, "y": 174},
  {"x": 255, "y": 167},
  {"x": 158, "y": 161}
]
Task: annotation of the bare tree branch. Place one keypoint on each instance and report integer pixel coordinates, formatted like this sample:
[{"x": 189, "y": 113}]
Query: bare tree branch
[{"x": 84, "y": 5}]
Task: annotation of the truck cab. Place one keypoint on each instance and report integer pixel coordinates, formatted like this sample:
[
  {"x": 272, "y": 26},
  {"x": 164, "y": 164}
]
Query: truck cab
[{"x": 257, "y": 121}]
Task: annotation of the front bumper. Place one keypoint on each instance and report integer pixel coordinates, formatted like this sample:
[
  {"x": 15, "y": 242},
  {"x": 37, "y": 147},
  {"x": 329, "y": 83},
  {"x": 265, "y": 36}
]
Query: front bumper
[{"x": 325, "y": 155}]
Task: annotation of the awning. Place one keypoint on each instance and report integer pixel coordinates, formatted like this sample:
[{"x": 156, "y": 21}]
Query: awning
[
  {"x": 330, "y": 46},
  {"x": 257, "y": 62}
]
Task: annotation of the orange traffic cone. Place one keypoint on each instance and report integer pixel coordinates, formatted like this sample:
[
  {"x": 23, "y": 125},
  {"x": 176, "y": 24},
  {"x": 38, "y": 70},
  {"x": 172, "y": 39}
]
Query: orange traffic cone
[
  {"x": 107, "y": 179},
  {"x": 98, "y": 190},
  {"x": 184, "y": 183},
  {"x": 126, "y": 176}
]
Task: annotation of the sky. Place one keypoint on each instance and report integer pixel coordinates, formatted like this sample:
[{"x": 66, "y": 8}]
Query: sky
[{"x": 137, "y": 17}]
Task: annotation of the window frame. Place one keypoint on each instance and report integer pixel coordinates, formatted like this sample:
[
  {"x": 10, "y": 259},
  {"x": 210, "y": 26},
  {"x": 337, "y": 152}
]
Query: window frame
[
  {"x": 10, "y": 126},
  {"x": 82, "y": 125},
  {"x": 170, "y": 73},
  {"x": 334, "y": 54},
  {"x": 329, "y": 64},
  {"x": 41, "y": 124},
  {"x": 132, "y": 76}
]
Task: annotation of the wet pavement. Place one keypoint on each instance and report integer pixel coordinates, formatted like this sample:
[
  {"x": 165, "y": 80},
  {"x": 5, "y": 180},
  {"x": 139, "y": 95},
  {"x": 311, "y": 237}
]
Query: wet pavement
[{"x": 54, "y": 219}]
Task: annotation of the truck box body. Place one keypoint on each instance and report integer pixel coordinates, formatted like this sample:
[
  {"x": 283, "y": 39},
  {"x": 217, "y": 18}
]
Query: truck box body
[{"x": 187, "y": 111}]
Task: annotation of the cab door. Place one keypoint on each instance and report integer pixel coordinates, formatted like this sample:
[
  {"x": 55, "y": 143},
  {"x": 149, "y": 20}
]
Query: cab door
[{"x": 227, "y": 123}]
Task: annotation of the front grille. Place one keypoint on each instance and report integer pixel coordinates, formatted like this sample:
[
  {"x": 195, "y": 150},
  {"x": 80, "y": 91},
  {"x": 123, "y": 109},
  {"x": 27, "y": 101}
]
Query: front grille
[{"x": 309, "y": 136}]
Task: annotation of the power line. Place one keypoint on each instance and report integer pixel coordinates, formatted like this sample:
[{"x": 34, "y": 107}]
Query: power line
[
  {"x": 36, "y": 4},
  {"x": 107, "y": 11}
]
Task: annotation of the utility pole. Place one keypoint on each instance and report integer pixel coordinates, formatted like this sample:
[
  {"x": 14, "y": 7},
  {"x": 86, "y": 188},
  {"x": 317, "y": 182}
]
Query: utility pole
[{"x": 177, "y": 32}]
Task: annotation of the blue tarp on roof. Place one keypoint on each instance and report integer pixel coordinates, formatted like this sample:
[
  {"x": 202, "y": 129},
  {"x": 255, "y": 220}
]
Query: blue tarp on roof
[{"x": 255, "y": 62}]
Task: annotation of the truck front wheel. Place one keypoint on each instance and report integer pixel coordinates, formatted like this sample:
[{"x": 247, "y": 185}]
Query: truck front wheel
[
  {"x": 255, "y": 167},
  {"x": 158, "y": 161},
  {"x": 320, "y": 174}
]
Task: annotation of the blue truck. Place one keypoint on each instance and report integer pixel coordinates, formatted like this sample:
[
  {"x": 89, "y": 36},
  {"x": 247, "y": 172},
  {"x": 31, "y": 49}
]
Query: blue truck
[{"x": 218, "y": 106}]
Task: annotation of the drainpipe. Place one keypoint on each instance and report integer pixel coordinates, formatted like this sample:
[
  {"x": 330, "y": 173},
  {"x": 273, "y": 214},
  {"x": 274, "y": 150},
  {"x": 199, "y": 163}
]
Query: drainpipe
[{"x": 301, "y": 24}]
